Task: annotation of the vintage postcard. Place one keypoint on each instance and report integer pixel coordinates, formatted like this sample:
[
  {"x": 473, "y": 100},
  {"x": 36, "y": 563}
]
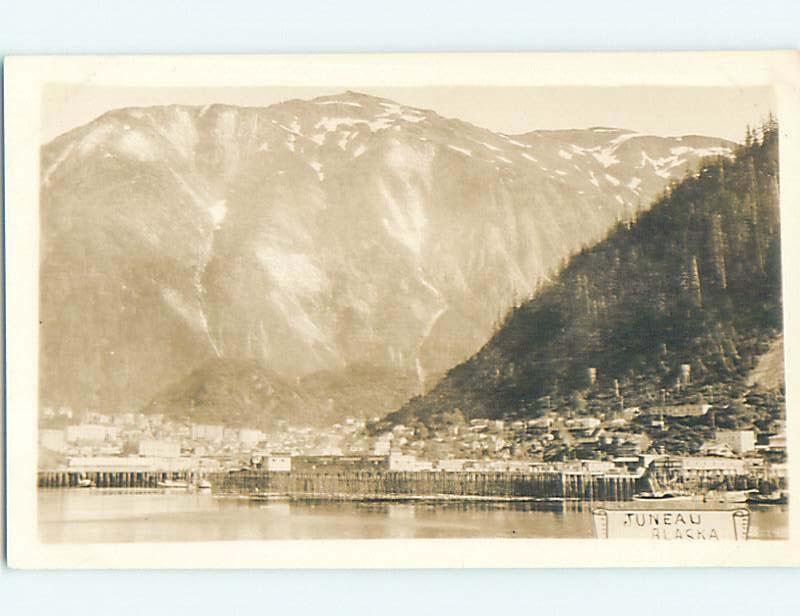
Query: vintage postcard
[{"x": 477, "y": 310}]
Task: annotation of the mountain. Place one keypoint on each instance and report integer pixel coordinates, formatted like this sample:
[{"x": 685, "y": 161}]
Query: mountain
[
  {"x": 311, "y": 236},
  {"x": 695, "y": 280},
  {"x": 244, "y": 392},
  {"x": 769, "y": 371}
]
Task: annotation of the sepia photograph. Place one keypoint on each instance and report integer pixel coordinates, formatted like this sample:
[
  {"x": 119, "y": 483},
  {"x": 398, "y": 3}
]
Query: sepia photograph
[{"x": 368, "y": 310}]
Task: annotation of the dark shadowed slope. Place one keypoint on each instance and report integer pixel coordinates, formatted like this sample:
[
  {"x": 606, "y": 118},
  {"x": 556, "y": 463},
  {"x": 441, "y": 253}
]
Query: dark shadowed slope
[{"x": 694, "y": 280}]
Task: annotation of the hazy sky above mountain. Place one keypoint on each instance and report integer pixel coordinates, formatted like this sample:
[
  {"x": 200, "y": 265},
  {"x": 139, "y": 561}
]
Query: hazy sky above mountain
[{"x": 717, "y": 112}]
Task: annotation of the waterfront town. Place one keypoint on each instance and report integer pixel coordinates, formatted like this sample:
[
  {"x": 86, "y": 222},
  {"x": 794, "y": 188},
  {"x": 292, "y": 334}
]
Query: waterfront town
[{"x": 597, "y": 436}]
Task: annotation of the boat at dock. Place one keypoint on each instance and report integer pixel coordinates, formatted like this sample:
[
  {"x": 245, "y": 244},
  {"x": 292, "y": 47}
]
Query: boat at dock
[
  {"x": 264, "y": 497},
  {"x": 659, "y": 490},
  {"x": 727, "y": 496},
  {"x": 173, "y": 485},
  {"x": 713, "y": 496},
  {"x": 204, "y": 484},
  {"x": 779, "y": 497},
  {"x": 85, "y": 483},
  {"x": 664, "y": 495}
]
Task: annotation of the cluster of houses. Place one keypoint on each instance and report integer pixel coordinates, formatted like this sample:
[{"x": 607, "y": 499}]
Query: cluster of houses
[{"x": 480, "y": 445}]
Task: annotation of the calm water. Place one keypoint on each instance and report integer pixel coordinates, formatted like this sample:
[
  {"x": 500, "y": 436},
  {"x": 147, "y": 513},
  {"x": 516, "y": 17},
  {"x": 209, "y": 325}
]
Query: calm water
[{"x": 117, "y": 516}]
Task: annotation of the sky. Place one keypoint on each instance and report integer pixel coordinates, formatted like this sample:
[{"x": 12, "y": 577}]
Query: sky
[{"x": 716, "y": 112}]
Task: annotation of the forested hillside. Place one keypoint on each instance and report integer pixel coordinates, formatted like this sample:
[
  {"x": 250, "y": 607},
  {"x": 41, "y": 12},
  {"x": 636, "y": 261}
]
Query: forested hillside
[{"x": 693, "y": 280}]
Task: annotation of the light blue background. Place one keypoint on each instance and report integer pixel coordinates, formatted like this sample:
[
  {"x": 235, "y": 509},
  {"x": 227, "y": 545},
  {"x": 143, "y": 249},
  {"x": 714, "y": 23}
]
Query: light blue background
[{"x": 201, "y": 26}]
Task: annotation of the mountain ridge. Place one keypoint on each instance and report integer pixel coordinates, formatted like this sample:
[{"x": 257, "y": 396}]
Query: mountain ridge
[{"x": 308, "y": 235}]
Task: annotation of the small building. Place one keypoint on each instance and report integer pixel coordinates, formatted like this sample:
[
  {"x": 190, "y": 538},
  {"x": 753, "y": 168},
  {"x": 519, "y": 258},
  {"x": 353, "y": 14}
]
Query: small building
[
  {"x": 54, "y": 440},
  {"x": 383, "y": 444},
  {"x": 627, "y": 463},
  {"x": 125, "y": 419},
  {"x": 774, "y": 449},
  {"x": 714, "y": 448},
  {"x": 520, "y": 466},
  {"x": 250, "y": 437},
  {"x": 685, "y": 374},
  {"x": 631, "y": 412},
  {"x": 90, "y": 433},
  {"x": 778, "y": 441},
  {"x": 157, "y": 448},
  {"x": 584, "y": 423},
  {"x": 408, "y": 463},
  {"x": 590, "y": 466},
  {"x": 710, "y": 464},
  {"x": 740, "y": 441},
  {"x": 325, "y": 464},
  {"x": 278, "y": 462},
  {"x": 679, "y": 410},
  {"x": 452, "y": 465},
  {"x": 539, "y": 426},
  {"x": 212, "y": 433}
]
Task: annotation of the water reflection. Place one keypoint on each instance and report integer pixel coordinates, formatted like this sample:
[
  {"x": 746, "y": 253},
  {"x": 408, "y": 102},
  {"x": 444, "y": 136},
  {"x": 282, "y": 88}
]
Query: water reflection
[{"x": 98, "y": 516}]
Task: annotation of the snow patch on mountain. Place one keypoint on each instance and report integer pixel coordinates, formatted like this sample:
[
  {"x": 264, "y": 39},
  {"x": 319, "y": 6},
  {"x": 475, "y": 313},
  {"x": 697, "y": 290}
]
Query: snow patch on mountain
[
  {"x": 332, "y": 124},
  {"x": 616, "y": 141},
  {"x": 519, "y": 144},
  {"x": 191, "y": 314},
  {"x": 95, "y": 138},
  {"x": 317, "y": 167},
  {"x": 489, "y": 146},
  {"x": 135, "y": 145},
  {"x": 181, "y": 132},
  {"x": 405, "y": 113},
  {"x": 298, "y": 319},
  {"x": 461, "y": 150},
  {"x": 634, "y": 184},
  {"x": 714, "y": 151},
  {"x": 292, "y": 271},
  {"x": 605, "y": 156},
  {"x": 346, "y": 103},
  {"x": 661, "y": 166},
  {"x": 342, "y": 142},
  {"x": 405, "y": 205},
  {"x": 218, "y": 212},
  {"x": 406, "y": 219},
  {"x": 62, "y": 156}
]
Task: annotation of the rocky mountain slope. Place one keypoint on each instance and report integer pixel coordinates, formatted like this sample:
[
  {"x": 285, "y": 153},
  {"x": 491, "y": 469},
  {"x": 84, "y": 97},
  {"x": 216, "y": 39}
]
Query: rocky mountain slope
[{"x": 310, "y": 236}]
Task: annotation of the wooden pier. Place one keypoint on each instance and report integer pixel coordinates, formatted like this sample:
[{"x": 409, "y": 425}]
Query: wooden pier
[
  {"x": 114, "y": 479},
  {"x": 354, "y": 484},
  {"x": 375, "y": 484}
]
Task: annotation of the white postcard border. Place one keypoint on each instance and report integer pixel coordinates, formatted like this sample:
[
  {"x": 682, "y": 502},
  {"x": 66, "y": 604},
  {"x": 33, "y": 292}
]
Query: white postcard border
[{"x": 26, "y": 76}]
